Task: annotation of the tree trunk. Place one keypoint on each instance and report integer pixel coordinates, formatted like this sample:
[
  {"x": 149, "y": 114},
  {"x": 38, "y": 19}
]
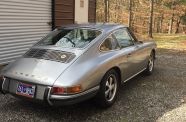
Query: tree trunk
[
  {"x": 130, "y": 13},
  {"x": 158, "y": 25},
  {"x": 178, "y": 25},
  {"x": 106, "y": 11},
  {"x": 118, "y": 16},
  {"x": 161, "y": 23},
  {"x": 154, "y": 23},
  {"x": 171, "y": 24},
  {"x": 151, "y": 19},
  {"x": 116, "y": 13}
]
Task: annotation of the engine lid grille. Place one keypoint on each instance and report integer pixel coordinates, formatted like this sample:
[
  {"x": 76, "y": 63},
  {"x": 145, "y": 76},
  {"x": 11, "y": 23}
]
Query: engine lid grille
[{"x": 53, "y": 55}]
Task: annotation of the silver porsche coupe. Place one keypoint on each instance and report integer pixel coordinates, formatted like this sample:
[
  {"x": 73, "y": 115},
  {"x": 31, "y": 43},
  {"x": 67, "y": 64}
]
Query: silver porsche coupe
[{"x": 76, "y": 62}]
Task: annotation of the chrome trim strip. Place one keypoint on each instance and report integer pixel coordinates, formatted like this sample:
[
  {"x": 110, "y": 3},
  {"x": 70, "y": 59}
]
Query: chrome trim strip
[
  {"x": 4, "y": 79},
  {"x": 62, "y": 97},
  {"x": 134, "y": 75},
  {"x": 48, "y": 96}
]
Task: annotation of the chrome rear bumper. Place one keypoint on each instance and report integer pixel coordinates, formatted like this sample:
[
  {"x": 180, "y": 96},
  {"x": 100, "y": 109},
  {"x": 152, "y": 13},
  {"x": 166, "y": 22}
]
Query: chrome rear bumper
[
  {"x": 2, "y": 83},
  {"x": 71, "y": 99},
  {"x": 43, "y": 94}
]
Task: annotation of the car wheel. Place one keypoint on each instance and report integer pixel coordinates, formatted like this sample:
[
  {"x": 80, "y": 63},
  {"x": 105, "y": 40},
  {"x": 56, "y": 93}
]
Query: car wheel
[
  {"x": 150, "y": 65},
  {"x": 108, "y": 89}
]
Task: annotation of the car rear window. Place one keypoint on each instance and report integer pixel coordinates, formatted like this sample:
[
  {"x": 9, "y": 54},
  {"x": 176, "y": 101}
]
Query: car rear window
[{"x": 70, "y": 38}]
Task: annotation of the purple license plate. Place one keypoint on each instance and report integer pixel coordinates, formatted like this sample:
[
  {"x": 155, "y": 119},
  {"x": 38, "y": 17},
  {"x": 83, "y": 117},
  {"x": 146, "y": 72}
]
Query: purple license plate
[{"x": 26, "y": 90}]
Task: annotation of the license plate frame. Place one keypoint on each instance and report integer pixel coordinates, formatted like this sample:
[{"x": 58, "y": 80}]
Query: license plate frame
[{"x": 26, "y": 90}]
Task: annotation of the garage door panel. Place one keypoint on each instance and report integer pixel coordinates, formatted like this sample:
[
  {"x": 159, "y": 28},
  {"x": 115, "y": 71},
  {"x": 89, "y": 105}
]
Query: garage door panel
[
  {"x": 22, "y": 24},
  {"x": 12, "y": 51},
  {"x": 22, "y": 4},
  {"x": 26, "y": 2},
  {"x": 15, "y": 12},
  {"x": 21, "y": 27},
  {"x": 21, "y": 34}
]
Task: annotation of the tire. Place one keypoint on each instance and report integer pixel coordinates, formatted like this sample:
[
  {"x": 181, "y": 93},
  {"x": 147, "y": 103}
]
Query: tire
[
  {"x": 109, "y": 86},
  {"x": 150, "y": 66}
]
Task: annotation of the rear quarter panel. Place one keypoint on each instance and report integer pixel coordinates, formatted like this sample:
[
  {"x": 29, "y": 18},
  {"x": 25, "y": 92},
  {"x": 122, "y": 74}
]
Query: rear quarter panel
[{"x": 89, "y": 69}]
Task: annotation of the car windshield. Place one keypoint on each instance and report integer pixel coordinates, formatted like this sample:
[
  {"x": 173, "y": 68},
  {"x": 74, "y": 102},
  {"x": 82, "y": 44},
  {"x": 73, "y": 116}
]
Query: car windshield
[{"x": 70, "y": 38}]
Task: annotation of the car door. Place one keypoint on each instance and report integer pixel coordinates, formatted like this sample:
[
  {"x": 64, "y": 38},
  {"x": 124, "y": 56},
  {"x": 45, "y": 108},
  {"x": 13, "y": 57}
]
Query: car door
[{"x": 129, "y": 62}]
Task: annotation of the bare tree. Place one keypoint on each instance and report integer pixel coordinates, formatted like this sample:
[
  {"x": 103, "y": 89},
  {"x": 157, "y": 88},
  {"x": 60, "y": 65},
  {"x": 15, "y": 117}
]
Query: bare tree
[
  {"x": 171, "y": 5},
  {"x": 130, "y": 13},
  {"x": 161, "y": 22},
  {"x": 171, "y": 23},
  {"x": 151, "y": 18},
  {"x": 163, "y": 15},
  {"x": 178, "y": 24},
  {"x": 106, "y": 11}
]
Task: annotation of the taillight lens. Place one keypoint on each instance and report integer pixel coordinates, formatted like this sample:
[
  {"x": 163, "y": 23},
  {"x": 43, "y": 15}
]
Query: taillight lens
[
  {"x": 66, "y": 90},
  {"x": 58, "y": 90},
  {"x": 73, "y": 90}
]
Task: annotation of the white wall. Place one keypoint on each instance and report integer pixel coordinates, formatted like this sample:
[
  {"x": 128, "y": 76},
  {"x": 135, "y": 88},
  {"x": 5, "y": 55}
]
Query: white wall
[{"x": 81, "y": 13}]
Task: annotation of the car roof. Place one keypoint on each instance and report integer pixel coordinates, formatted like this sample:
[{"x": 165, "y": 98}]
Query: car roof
[{"x": 98, "y": 26}]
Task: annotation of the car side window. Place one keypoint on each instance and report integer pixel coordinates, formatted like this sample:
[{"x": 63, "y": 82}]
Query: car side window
[
  {"x": 123, "y": 37},
  {"x": 109, "y": 44}
]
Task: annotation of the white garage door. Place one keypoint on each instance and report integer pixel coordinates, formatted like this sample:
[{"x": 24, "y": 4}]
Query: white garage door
[{"x": 22, "y": 23}]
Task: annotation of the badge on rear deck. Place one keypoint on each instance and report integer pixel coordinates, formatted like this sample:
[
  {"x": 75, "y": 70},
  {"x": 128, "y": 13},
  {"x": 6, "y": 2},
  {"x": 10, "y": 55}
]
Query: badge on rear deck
[{"x": 63, "y": 56}]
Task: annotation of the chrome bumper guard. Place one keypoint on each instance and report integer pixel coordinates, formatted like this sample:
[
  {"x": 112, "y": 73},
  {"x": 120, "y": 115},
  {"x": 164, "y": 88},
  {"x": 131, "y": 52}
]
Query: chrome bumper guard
[
  {"x": 49, "y": 97},
  {"x": 2, "y": 86}
]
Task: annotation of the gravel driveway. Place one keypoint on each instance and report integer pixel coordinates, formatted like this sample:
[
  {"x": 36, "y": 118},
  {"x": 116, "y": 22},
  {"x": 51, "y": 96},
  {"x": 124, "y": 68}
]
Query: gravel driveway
[{"x": 160, "y": 97}]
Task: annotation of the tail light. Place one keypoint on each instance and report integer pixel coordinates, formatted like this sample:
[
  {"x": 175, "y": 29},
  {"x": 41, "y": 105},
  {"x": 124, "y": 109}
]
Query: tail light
[
  {"x": 66, "y": 90},
  {"x": 58, "y": 90}
]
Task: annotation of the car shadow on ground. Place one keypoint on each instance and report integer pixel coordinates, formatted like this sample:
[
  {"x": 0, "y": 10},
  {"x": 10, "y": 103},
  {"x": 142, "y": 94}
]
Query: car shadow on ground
[{"x": 140, "y": 99}]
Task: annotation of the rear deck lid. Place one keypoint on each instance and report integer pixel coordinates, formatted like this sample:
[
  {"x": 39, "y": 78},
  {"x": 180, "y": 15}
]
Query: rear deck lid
[{"x": 35, "y": 71}]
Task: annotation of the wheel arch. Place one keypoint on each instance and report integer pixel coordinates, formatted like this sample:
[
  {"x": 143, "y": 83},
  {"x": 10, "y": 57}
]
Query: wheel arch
[{"x": 117, "y": 69}]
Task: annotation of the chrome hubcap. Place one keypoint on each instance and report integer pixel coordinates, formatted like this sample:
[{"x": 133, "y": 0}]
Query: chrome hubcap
[
  {"x": 151, "y": 64},
  {"x": 111, "y": 86}
]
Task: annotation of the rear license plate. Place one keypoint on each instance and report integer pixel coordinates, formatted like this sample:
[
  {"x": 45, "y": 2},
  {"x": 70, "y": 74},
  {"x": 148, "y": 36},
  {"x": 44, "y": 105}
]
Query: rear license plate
[{"x": 26, "y": 90}]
